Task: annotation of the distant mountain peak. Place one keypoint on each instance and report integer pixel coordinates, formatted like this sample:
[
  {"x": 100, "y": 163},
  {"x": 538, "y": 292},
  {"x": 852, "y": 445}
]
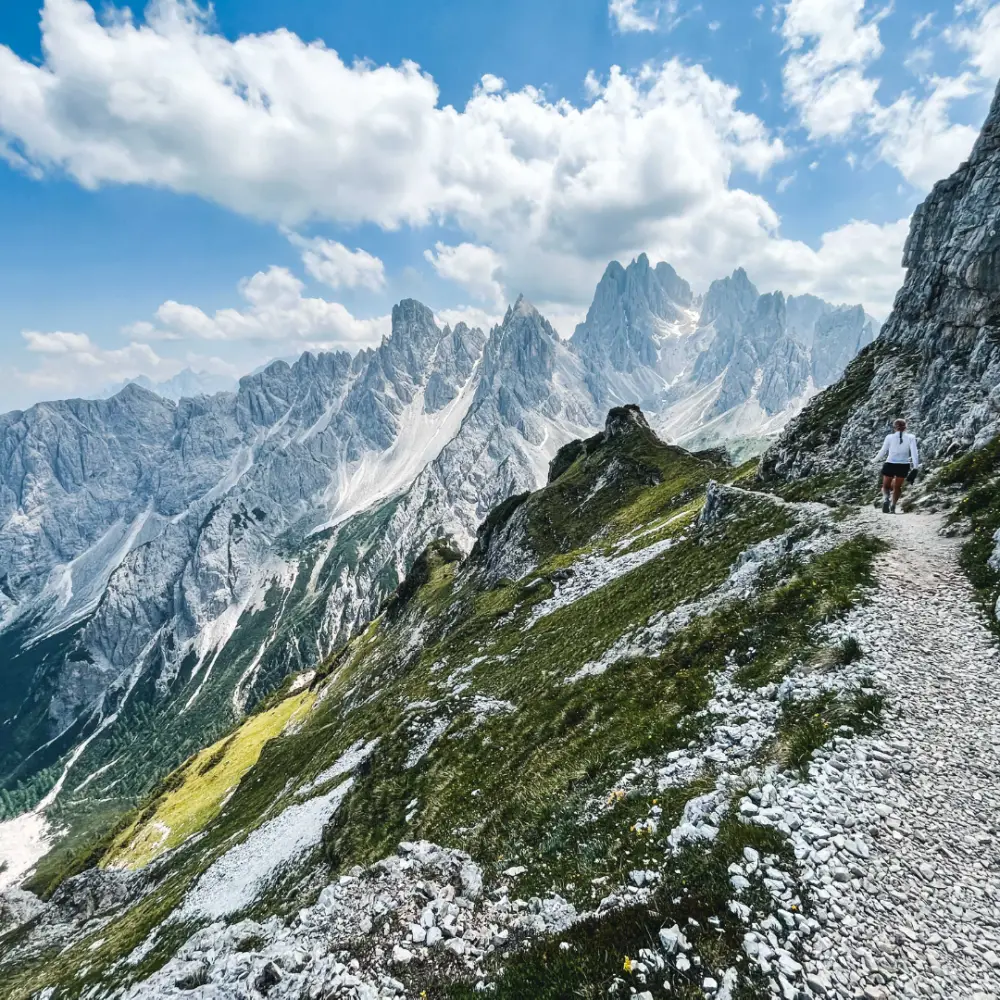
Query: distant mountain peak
[
  {"x": 632, "y": 306},
  {"x": 186, "y": 383},
  {"x": 523, "y": 307},
  {"x": 135, "y": 391}
]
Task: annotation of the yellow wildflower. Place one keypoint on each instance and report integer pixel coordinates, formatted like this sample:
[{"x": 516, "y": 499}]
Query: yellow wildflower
[{"x": 628, "y": 964}]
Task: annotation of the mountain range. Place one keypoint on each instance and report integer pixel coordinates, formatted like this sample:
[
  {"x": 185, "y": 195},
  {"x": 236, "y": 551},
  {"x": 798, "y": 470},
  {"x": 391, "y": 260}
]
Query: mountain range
[
  {"x": 185, "y": 383},
  {"x": 476, "y": 684},
  {"x": 164, "y": 564}
]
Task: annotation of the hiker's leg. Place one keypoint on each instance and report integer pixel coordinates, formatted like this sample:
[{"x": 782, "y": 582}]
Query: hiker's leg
[
  {"x": 897, "y": 489},
  {"x": 886, "y": 490}
]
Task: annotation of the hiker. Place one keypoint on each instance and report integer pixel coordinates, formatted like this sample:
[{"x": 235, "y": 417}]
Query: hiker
[{"x": 899, "y": 455}]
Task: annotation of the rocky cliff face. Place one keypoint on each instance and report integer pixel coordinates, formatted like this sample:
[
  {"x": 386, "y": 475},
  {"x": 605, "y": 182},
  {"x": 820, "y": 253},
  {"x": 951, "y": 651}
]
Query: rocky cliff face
[
  {"x": 937, "y": 359},
  {"x": 637, "y": 337},
  {"x": 728, "y": 303}
]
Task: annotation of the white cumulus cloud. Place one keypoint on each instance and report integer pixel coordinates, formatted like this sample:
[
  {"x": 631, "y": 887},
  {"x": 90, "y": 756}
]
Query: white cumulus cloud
[
  {"x": 274, "y": 312},
  {"x": 857, "y": 262},
  {"x": 278, "y": 129},
  {"x": 543, "y": 191},
  {"x": 982, "y": 40},
  {"x": 918, "y": 137},
  {"x": 628, "y": 17},
  {"x": 475, "y": 268},
  {"x": 274, "y": 127},
  {"x": 472, "y": 316},
  {"x": 832, "y": 43},
  {"x": 58, "y": 342},
  {"x": 339, "y": 267}
]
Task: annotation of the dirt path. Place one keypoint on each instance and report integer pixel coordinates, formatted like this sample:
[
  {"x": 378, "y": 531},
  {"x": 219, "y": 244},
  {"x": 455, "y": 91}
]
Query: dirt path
[{"x": 920, "y": 915}]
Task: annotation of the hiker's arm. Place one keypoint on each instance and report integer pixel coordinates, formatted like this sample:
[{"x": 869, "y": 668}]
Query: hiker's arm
[
  {"x": 884, "y": 452},
  {"x": 913, "y": 453}
]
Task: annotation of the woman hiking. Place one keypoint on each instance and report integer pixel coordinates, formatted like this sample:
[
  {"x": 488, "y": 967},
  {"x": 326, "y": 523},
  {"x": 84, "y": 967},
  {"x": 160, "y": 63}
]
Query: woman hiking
[{"x": 901, "y": 461}]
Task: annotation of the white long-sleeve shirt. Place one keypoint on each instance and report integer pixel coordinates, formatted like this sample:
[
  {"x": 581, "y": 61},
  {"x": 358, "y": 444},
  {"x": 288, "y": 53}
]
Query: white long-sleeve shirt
[{"x": 899, "y": 449}]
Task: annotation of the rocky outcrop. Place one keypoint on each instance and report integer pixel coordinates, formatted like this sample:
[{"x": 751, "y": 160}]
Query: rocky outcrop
[{"x": 937, "y": 359}]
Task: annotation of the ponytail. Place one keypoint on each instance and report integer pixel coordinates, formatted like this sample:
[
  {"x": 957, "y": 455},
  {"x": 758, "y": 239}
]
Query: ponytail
[{"x": 900, "y": 437}]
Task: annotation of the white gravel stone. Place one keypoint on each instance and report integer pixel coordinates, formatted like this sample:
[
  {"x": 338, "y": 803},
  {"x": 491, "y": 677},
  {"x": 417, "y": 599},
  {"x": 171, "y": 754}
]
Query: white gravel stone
[{"x": 898, "y": 836}]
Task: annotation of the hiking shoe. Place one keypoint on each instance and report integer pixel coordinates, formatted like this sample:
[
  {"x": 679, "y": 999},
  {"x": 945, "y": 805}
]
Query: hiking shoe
[
  {"x": 886, "y": 507},
  {"x": 892, "y": 509}
]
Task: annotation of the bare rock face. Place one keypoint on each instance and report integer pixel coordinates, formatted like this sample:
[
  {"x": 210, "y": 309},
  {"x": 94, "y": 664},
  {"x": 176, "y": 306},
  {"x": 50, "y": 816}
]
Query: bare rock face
[
  {"x": 937, "y": 360},
  {"x": 630, "y": 305},
  {"x": 839, "y": 334}
]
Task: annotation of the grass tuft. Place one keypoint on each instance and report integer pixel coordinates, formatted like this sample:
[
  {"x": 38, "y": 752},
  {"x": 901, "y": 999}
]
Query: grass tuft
[
  {"x": 695, "y": 887},
  {"x": 806, "y": 726},
  {"x": 849, "y": 651}
]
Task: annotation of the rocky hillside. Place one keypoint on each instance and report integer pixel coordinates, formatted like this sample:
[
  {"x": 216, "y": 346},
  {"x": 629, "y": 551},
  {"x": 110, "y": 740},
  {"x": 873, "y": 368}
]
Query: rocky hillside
[
  {"x": 165, "y": 565},
  {"x": 660, "y": 727}
]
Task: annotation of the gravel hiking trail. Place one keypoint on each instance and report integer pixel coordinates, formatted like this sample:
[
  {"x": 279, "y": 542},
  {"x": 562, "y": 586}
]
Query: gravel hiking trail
[{"x": 920, "y": 915}]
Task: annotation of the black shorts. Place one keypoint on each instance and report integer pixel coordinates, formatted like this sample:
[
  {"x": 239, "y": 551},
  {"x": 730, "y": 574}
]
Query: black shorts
[{"x": 896, "y": 470}]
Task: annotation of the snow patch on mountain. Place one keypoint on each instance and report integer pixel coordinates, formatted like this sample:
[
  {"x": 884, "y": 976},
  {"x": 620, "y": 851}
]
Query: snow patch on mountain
[
  {"x": 24, "y": 840},
  {"x": 234, "y": 881},
  {"x": 377, "y": 476}
]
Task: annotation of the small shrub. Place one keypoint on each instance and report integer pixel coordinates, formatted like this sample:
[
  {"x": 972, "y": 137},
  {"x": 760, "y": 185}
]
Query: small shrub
[{"x": 850, "y": 651}]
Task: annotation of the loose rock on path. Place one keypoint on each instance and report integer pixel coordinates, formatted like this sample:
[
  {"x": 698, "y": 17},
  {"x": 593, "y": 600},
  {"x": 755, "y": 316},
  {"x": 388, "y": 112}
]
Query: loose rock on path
[{"x": 900, "y": 845}]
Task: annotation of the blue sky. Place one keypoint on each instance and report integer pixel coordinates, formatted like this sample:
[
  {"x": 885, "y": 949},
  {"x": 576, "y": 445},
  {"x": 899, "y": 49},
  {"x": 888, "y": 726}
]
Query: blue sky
[{"x": 212, "y": 187}]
